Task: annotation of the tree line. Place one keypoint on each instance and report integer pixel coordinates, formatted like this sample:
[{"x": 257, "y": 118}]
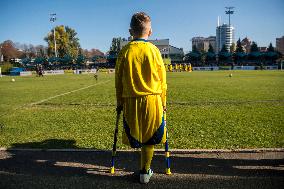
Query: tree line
[
  {"x": 68, "y": 48},
  {"x": 71, "y": 55},
  {"x": 235, "y": 56}
]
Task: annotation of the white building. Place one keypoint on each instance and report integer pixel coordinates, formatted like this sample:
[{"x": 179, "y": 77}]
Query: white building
[{"x": 224, "y": 36}]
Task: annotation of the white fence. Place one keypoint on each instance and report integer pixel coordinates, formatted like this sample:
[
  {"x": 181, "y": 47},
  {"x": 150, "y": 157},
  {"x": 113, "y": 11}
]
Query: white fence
[
  {"x": 81, "y": 71},
  {"x": 255, "y": 67},
  {"x": 244, "y": 67},
  {"x": 211, "y": 68},
  {"x": 271, "y": 67},
  {"x": 53, "y": 72},
  {"x": 26, "y": 73}
]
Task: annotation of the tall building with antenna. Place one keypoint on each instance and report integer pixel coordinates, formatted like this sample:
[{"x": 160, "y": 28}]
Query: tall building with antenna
[{"x": 225, "y": 33}]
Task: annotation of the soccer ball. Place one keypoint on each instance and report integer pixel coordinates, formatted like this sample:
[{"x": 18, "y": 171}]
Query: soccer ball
[
  {"x": 231, "y": 75},
  {"x": 13, "y": 80}
]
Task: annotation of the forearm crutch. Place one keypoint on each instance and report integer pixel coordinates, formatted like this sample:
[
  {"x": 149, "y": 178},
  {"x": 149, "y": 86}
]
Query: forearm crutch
[
  {"x": 118, "y": 112},
  {"x": 167, "y": 153}
]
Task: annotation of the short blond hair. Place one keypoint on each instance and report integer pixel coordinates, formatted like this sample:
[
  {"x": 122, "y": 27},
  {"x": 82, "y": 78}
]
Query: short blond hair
[{"x": 139, "y": 23}]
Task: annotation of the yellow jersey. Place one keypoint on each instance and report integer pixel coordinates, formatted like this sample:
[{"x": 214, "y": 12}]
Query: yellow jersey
[
  {"x": 140, "y": 71},
  {"x": 140, "y": 81}
]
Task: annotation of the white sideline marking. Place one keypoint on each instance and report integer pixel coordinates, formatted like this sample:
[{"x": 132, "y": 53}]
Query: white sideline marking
[{"x": 44, "y": 100}]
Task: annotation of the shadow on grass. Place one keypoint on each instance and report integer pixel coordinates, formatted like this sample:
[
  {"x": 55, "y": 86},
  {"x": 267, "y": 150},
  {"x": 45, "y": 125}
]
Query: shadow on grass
[
  {"x": 90, "y": 169},
  {"x": 47, "y": 144}
]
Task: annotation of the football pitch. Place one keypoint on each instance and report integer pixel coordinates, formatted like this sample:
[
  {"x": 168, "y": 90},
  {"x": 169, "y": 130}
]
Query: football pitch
[{"x": 206, "y": 110}]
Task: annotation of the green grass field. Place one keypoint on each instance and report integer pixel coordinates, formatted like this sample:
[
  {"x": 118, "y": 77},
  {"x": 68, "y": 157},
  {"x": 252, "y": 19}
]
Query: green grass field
[{"x": 205, "y": 110}]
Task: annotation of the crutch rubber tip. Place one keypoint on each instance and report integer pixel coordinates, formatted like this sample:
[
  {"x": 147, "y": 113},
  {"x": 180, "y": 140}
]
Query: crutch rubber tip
[
  {"x": 167, "y": 154},
  {"x": 168, "y": 171},
  {"x": 112, "y": 170}
]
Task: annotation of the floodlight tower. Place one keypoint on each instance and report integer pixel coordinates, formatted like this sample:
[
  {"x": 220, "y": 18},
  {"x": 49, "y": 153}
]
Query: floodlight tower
[
  {"x": 229, "y": 12},
  {"x": 53, "y": 19}
]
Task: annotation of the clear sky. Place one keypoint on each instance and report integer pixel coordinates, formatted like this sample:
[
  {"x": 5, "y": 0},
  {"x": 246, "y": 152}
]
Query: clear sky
[{"x": 98, "y": 21}]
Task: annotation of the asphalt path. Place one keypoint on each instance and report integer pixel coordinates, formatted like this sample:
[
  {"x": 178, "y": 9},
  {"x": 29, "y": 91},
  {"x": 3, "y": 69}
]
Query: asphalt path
[{"x": 90, "y": 169}]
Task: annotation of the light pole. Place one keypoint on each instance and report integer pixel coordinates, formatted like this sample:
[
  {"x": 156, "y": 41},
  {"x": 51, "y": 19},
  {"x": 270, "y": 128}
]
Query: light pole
[
  {"x": 229, "y": 12},
  {"x": 52, "y": 19}
]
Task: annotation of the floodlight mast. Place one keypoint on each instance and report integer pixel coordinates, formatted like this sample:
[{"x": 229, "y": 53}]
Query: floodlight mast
[
  {"x": 229, "y": 12},
  {"x": 53, "y": 19}
]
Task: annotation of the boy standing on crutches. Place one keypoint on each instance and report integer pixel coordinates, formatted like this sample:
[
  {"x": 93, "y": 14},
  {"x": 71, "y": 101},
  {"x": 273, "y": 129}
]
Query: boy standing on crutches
[{"x": 140, "y": 81}]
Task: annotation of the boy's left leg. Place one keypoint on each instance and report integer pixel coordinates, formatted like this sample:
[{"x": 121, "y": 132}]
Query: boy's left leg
[{"x": 147, "y": 152}]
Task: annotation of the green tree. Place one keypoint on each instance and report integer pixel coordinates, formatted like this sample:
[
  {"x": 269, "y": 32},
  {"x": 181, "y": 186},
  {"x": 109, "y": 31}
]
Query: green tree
[
  {"x": 39, "y": 60},
  {"x": 74, "y": 45},
  {"x": 195, "y": 50},
  {"x": 194, "y": 56},
  {"x": 9, "y": 51},
  {"x": 270, "y": 48},
  {"x": 210, "y": 49},
  {"x": 233, "y": 48},
  {"x": 210, "y": 55},
  {"x": 239, "y": 56},
  {"x": 224, "y": 49},
  {"x": 67, "y": 60},
  {"x": 224, "y": 55},
  {"x": 254, "y": 54},
  {"x": 80, "y": 60},
  {"x": 40, "y": 51},
  {"x": 66, "y": 42},
  {"x": 115, "y": 46},
  {"x": 239, "y": 47},
  {"x": 254, "y": 47},
  {"x": 271, "y": 55},
  {"x": 203, "y": 57},
  {"x": 61, "y": 41}
]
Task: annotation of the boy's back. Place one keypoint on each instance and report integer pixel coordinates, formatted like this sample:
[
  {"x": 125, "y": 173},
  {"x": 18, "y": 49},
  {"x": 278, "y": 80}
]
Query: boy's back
[{"x": 142, "y": 62}]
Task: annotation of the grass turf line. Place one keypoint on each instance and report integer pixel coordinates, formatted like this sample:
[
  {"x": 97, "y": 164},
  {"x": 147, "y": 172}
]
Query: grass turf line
[{"x": 205, "y": 110}]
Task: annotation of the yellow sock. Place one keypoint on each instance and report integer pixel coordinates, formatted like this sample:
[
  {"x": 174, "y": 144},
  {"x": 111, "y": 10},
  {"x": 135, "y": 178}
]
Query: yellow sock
[{"x": 147, "y": 152}]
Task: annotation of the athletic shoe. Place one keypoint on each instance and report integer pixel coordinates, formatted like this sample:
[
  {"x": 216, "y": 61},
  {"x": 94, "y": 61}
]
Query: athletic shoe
[{"x": 144, "y": 178}]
